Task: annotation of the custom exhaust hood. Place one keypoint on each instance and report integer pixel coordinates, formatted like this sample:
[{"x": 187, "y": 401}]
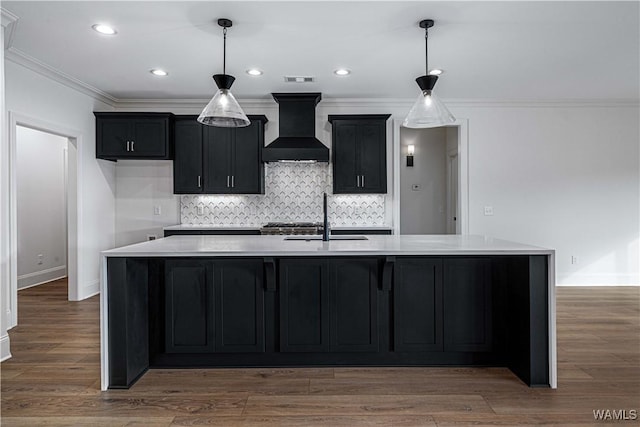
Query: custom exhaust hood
[{"x": 297, "y": 140}]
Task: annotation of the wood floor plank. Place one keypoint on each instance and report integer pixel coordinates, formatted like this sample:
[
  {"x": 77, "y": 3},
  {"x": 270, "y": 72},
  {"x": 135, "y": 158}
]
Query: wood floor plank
[
  {"x": 87, "y": 421},
  {"x": 309, "y": 421},
  {"x": 53, "y": 378},
  {"x": 366, "y": 405}
]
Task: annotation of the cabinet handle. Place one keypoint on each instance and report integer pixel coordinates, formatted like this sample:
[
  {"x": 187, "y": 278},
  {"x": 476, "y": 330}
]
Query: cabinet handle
[
  {"x": 233, "y": 184},
  {"x": 199, "y": 181},
  {"x": 358, "y": 177},
  {"x": 270, "y": 274},
  {"x": 132, "y": 147},
  {"x": 363, "y": 181},
  {"x": 228, "y": 181},
  {"x": 128, "y": 146},
  {"x": 387, "y": 273}
]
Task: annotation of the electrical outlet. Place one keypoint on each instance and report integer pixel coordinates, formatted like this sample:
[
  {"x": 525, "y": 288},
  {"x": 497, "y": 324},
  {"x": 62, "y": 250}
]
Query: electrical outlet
[
  {"x": 151, "y": 237},
  {"x": 200, "y": 210},
  {"x": 415, "y": 187},
  {"x": 574, "y": 259},
  {"x": 488, "y": 210},
  {"x": 157, "y": 210},
  {"x": 40, "y": 259}
]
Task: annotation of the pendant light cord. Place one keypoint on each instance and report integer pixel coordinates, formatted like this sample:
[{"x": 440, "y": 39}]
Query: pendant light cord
[
  {"x": 224, "y": 51},
  {"x": 426, "y": 50}
]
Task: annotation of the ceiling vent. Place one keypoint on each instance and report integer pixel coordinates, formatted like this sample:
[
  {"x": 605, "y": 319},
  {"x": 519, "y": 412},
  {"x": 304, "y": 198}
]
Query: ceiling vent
[{"x": 299, "y": 79}]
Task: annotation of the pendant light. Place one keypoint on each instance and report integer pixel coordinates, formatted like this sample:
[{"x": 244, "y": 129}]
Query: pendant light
[
  {"x": 428, "y": 111},
  {"x": 223, "y": 110}
]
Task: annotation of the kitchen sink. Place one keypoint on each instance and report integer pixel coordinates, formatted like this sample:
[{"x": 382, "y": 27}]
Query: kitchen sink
[{"x": 309, "y": 238}]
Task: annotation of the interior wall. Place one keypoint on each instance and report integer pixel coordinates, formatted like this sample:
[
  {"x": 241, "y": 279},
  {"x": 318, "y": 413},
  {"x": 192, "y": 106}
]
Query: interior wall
[
  {"x": 423, "y": 195},
  {"x": 563, "y": 177},
  {"x": 142, "y": 186},
  {"x": 5, "y": 351},
  {"x": 34, "y": 95},
  {"x": 41, "y": 206}
]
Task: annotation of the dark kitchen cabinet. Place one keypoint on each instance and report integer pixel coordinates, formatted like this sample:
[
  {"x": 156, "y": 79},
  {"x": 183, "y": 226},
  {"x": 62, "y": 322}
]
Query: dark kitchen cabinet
[
  {"x": 187, "y": 162},
  {"x": 214, "y": 306},
  {"x": 304, "y": 305},
  {"x": 417, "y": 304},
  {"x": 221, "y": 161},
  {"x": 353, "y": 305},
  {"x": 189, "y": 306},
  {"x": 328, "y": 305},
  {"x": 467, "y": 304},
  {"x": 134, "y": 136},
  {"x": 359, "y": 153}
]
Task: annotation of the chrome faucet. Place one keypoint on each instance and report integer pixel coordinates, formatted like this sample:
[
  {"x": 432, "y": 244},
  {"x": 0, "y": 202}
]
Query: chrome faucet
[{"x": 326, "y": 232}]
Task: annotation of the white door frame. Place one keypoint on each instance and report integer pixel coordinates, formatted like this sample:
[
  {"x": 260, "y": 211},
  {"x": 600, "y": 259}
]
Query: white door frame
[
  {"x": 74, "y": 213},
  {"x": 463, "y": 174},
  {"x": 452, "y": 188}
]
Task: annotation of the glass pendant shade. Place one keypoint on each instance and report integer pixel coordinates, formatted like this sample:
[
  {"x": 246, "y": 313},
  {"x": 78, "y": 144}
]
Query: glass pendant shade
[
  {"x": 427, "y": 112},
  {"x": 223, "y": 111}
]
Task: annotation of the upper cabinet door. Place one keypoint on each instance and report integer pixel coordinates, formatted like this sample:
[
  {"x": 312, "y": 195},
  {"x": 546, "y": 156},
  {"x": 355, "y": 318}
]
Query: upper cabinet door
[
  {"x": 359, "y": 153},
  {"x": 217, "y": 160},
  {"x": 372, "y": 148},
  {"x": 134, "y": 136},
  {"x": 345, "y": 158},
  {"x": 187, "y": 163},
  {"x": 149, "y": 138},
  {"x": 247, "y": 167}
]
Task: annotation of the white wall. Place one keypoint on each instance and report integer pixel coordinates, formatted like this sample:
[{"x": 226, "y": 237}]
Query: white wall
[
  {"x": 564, "y": 177},
  {"x": 41, "y": 206},
  {"x": 142, "y": 185},
  {"x": 423, "y": 211},
  {"x": 5, "y": 352},
  {"x": 33, "y": 95}
]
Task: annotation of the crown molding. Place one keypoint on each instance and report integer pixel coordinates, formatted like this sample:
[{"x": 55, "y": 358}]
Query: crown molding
[
  {"x": 17, "y": 56},
  {"x": 137, "y": 104},
  {"x": 9, "y": 24}
]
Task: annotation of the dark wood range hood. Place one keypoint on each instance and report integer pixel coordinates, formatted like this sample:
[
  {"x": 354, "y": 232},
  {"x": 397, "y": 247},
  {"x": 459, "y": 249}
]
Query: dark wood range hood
[{"x": 296, "y": 140}]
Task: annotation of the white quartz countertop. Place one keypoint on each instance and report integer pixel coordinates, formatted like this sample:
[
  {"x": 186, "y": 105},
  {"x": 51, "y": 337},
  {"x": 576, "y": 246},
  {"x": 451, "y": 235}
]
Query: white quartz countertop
[
  {"x": 246, "y": 246},
  {"x": 181, "y": 227}
]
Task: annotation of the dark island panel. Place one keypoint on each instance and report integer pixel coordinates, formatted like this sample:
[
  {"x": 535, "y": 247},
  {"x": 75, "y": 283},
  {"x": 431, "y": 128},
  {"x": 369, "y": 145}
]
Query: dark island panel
[{"x": 328, "y": 311}]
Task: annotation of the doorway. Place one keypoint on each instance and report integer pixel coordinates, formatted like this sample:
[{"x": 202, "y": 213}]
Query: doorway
[
  {"x": 42, "y": 145},
  {"x": 41, "y": 207},
  {"x": 429, "y": 193}
]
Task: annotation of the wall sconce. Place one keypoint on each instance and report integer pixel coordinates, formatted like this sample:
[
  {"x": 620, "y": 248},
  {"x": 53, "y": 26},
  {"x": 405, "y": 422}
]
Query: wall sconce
[{"x": 410, "y": 150}]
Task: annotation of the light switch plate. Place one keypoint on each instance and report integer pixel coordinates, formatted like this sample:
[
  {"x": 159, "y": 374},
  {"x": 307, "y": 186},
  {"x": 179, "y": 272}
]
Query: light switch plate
[
  {"x": 157, "y": 210},
  {"x": 200, "y": 210}
]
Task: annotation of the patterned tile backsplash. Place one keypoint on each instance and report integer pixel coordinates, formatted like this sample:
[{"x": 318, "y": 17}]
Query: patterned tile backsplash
[{"x": 293, "y": 192}]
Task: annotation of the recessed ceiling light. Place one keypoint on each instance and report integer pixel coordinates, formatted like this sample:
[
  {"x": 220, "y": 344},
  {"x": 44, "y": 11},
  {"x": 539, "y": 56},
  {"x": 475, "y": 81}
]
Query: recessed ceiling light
[
  {"x": 435, "y": 72},
  {"x": 254, "y": 72},
  {"x": 104, "y": 29},
  {"x": 342, "y": 72},
  {"x": 159, "y": 72}
]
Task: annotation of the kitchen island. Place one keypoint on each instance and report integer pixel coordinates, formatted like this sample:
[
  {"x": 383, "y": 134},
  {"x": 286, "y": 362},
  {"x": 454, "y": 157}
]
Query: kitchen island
[{"x": 256, "y": 301}]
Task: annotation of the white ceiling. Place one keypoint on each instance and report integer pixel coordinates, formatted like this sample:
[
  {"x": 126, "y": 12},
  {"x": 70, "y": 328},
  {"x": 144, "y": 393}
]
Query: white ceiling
[{"x": 489, "y": 50}]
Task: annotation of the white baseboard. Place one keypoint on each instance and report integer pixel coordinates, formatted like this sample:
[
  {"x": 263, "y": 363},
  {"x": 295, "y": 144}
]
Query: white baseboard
[
  {"x": 39, "y": 277},
  {"x": 5, "y": 351},
  {"x": 89, "y": 289},
  {"x": 598, "y": 280},
  {"x": 593, "y": 285}
]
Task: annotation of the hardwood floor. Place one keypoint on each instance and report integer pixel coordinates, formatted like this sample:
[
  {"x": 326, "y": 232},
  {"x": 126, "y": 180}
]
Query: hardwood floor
[{"x": 54, "y": 378}]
